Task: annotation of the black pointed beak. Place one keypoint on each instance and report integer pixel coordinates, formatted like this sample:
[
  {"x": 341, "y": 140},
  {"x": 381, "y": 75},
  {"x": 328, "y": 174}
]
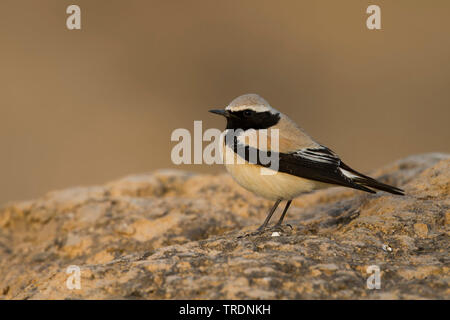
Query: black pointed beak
[{"x": 224, "y": 113}]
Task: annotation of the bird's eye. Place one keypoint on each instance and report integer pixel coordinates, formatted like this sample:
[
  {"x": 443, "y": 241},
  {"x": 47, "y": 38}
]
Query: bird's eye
[{"x": 248, "y": 113}]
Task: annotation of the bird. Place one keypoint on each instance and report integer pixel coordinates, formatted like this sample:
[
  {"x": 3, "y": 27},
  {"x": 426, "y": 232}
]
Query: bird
[{"x": 304, "y": 165}]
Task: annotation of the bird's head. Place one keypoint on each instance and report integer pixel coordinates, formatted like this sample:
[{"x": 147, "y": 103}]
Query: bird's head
[{"x": 249, "y": 111}]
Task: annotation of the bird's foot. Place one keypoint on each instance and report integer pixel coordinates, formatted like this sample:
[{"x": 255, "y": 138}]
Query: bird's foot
[
  {"x": 281, "y": 228},
  {"x": 276, "y": 228},
  {"x": 257, "y": 232}
]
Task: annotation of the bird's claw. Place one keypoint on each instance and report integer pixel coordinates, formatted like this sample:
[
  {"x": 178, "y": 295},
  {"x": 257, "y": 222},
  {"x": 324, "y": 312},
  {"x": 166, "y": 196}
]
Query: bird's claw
[
  {"x": 281, "y": 228},
  {"x": 257, "y": 232},
  {"x": 260, "y": 231}
]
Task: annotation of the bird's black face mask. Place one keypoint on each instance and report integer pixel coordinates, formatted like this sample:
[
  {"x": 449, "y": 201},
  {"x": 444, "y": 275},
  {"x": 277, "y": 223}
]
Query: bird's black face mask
[{"x": 248, "y": 119}]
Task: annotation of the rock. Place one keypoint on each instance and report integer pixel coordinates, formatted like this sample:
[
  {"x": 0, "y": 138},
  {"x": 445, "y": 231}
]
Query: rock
[
  {"x": 447, "y": 217},
  {"x": 421, "y": 229},
  {"x": 174, "y": 235}
]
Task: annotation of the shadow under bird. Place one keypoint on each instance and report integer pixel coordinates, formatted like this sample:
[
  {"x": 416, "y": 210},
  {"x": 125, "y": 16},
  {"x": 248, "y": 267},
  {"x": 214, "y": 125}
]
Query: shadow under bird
[{"x": 303, "y": 164}]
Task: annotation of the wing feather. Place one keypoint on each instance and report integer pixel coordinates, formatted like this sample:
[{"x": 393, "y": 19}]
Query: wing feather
[
  {"x": 320, "y": 164},
  {"x": 316, "y": 163}
]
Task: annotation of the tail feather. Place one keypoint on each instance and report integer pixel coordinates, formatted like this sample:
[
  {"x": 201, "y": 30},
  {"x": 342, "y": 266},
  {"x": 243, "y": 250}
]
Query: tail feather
[
  {"x": 367, "y": 181},
  {"x": 372, "y": 183}
]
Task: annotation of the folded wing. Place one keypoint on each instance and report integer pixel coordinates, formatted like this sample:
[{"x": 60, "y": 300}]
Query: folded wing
[
  {"x": 322, "y": 164},
  {"x": 319, "y": 164}
]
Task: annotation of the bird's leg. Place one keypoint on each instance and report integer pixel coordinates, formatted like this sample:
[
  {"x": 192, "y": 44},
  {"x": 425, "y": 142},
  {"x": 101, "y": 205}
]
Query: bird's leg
[
  {"x": 264, "y": 225},
  {"x": 278, "y": 224},
  {"x": 266, "y": 222}
]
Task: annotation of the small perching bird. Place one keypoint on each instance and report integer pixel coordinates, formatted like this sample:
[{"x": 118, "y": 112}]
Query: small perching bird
[{"x": 303, "y": 165}]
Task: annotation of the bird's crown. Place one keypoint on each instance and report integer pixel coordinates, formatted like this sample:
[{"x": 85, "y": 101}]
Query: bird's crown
[{"x": 250, "y": 101}]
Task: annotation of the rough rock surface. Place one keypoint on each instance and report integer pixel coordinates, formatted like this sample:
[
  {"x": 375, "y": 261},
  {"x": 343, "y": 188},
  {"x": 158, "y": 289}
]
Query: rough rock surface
[{"x": 173, "y": 235}]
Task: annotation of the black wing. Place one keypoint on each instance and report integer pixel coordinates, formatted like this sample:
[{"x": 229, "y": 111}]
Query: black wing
[{"x": 319, "y": 164}]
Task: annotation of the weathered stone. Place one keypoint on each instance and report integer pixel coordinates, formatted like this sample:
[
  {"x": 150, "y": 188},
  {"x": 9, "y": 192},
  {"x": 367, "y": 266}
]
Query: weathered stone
[{"x": 174, "y": 235}]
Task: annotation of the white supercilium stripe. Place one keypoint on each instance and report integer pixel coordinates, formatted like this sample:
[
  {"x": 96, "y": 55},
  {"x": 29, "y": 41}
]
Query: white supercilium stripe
[{"x": 256, "y": 108}]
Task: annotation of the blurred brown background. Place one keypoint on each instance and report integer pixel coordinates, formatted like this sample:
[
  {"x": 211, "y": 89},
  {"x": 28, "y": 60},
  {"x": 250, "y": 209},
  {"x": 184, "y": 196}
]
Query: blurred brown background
[{"x": 84, "y": 107}]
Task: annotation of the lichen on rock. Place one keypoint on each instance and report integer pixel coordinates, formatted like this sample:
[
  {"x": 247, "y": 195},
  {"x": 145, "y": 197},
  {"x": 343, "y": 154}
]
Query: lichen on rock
[{"x": 174, "y": 235}]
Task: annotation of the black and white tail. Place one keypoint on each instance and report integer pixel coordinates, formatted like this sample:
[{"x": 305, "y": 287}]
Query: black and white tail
[{"x": 368, "y": 182}]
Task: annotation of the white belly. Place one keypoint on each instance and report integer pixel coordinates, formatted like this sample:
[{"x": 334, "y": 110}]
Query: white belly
[{"x": 275, "y": 186}]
